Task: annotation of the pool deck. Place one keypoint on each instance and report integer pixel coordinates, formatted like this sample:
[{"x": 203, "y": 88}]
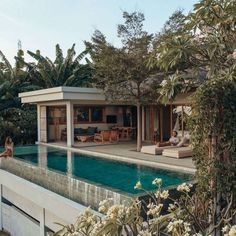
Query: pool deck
[{"x": 126, "y": 151}]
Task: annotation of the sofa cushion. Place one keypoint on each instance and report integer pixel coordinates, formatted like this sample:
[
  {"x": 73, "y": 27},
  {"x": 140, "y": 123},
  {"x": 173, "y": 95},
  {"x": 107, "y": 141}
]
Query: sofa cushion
[
  {"x": 80, "y": 131},
  {"x": 92, "y": 130}
]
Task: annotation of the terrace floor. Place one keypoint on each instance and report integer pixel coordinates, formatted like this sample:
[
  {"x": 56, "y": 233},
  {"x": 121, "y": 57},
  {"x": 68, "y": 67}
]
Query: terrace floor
[{"x": 126, "y": 151}]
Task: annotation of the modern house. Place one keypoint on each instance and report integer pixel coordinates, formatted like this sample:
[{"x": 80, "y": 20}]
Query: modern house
[{"x": 62, "y": 111}]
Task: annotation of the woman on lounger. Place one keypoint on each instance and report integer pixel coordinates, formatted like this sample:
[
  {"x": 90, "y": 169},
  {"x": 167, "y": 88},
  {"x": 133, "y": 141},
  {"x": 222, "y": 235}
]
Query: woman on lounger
[
  {"x": 173, "y": 141},
  {"x": 9, "y": 146}
]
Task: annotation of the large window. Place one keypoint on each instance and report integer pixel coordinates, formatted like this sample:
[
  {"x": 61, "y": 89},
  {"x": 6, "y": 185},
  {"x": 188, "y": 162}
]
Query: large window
[
  {"x": 97, "y": 114},
  {"x": 83, "y": 114},
  {"x": 89, "y": 114}
]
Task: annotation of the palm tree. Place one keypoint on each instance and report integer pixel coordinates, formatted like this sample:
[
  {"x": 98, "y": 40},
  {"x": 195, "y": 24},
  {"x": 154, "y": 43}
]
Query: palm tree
[{"x": 63, "y": 71}]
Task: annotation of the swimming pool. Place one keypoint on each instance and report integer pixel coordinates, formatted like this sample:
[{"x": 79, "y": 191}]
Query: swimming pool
[{"x": 118, "y": 176}]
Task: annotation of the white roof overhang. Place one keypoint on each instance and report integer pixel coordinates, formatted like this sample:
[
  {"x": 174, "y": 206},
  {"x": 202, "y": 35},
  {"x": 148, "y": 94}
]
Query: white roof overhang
[{"x": 60, "y": 94}]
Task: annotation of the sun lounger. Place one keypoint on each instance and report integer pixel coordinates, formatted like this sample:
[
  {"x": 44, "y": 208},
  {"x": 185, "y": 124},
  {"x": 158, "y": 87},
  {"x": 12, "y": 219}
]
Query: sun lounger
[
  {"x": 180, "y": 152},
  {"x": 154, "y": 150}
]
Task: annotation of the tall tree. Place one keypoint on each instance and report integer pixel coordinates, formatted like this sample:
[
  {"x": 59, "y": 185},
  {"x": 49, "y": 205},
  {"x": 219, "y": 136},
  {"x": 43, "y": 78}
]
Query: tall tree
[
  {"x": 204, "y": 48},
  {"x": 122, "y": 72},
  {"x": 172, "y": 36},
  {"x": 16, "y": 120},
  {"x": 63, "y": 71}
]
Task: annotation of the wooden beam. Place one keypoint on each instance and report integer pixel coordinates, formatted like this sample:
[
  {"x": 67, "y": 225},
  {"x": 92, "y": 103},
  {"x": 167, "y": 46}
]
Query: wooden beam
[
  {"x": 161, "y": 124},
  {"x": 152, "y": 124}
]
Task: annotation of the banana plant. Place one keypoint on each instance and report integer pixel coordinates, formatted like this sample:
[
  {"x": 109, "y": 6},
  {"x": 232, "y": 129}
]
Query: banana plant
[{"x": 63, "y": 71}]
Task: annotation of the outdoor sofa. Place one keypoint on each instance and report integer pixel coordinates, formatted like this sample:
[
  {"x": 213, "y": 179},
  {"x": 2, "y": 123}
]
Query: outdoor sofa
[{"x": 80, "y": 132}]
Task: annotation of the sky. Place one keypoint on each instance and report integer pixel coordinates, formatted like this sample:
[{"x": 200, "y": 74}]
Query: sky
[{"x": 41, "y": 24}]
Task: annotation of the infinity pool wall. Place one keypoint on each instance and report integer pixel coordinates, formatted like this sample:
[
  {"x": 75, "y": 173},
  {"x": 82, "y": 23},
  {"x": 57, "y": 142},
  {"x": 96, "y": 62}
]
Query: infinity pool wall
[{"x": 74, "y": 189}]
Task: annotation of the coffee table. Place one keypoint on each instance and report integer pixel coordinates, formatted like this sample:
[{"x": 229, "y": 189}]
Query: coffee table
[{"x": 85, "y": 138}]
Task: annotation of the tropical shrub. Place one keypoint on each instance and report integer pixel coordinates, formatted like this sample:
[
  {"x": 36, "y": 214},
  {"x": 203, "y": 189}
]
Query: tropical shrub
[
  {"x": 213, "y": 134},
  {"x": 183, "y": 217}
]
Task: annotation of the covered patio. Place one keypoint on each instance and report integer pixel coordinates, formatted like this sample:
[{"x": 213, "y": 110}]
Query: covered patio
[{"x": 75, "y": 115}]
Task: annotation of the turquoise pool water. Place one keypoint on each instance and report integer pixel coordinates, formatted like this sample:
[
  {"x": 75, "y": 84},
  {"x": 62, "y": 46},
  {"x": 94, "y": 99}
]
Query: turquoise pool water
[{"x": 119, "y": 176}]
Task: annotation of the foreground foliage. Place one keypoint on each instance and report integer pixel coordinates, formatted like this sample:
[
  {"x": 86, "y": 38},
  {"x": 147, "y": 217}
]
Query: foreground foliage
[{"x": 183, "y": 217}]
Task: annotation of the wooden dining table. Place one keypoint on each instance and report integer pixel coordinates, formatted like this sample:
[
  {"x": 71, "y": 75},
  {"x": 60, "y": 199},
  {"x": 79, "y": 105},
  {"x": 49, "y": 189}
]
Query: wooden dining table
[{"x": 125, "y": 132}]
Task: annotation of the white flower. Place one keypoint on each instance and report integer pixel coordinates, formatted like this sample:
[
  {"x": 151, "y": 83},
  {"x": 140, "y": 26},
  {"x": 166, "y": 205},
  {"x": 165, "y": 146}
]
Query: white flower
[
  {"x": 165, "y": 194},
  {"x": 118, "y": 212},
  {"x": 154, "y": 210},
  {"x": 157, "y": 181},
  {"x": 172, "y": 207},
  {"x": 184, "y": 187},
  {"x": 144, "y": 233},
  {"x": 179, "y": 226},
  {"x": 232, "y": 231},
  {"x": 104, "y": 205},
  {"x": 138, "y": 185},
  {"x": 163, "y": 83},
  {"x": 225, "y": 229}
]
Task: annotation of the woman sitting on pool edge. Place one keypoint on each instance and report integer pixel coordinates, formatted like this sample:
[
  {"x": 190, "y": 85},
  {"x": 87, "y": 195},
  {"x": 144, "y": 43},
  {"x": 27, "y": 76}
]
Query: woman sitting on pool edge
[
  {"x": 173, "y": 141},
  {"x": 9, "y": 147}
]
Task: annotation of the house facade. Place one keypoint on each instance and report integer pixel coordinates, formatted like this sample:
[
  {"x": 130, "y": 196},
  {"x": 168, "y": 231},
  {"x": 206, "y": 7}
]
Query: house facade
[{"x": 64, "y": 111}]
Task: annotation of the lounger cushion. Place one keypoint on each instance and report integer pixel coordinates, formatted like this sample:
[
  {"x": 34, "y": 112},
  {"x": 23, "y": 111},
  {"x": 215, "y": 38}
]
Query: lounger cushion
[
  {"x": 180, "y": 152},
  {"x": 151, "y": 149},
  {"x": 154, "y": 150}
]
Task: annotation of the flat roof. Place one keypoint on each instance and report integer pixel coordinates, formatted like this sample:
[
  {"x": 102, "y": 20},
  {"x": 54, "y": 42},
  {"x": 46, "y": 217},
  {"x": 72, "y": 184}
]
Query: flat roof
[
  {"x": 63, "y": 93},
  {"x": 81, "y": 95}
]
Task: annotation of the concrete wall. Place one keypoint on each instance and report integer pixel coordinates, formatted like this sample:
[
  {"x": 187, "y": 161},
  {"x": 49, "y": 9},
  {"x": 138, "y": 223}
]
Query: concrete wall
[{"x": 82, "y": 192}]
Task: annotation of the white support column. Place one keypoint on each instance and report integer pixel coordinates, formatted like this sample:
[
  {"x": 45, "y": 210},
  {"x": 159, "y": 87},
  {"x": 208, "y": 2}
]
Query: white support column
[
  {"x": 39, "y": 122},
  {"x": 70, "y": 123},
  {"x": 0, "y": 207},
  {"x": 42, "y": 223}
]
